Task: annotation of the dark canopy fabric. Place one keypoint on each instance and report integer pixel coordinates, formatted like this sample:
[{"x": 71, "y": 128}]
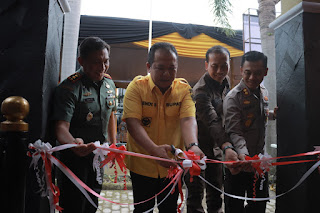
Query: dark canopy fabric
[{"x": 122, "y": 30}]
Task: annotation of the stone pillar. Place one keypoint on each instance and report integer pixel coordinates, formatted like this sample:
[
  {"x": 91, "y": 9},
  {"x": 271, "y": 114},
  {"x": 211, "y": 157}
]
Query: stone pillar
[
  {"x": 31, "y": 35},
  {"x": 297, "y": 41}
]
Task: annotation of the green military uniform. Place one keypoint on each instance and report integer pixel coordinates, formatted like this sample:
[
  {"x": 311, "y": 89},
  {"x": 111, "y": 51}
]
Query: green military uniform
[{"x": 87, "y": 106}]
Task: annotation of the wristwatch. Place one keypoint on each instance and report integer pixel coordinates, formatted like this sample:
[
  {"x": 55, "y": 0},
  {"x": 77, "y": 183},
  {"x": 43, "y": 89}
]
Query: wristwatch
[
  {"x": 228, "y": 147},
  {"x": 191, "y": 145}
]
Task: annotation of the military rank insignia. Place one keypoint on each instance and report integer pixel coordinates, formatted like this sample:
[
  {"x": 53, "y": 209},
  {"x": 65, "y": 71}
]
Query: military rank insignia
[
  {"x": 245, "y": 91},
  {"x": 107, "y": 76},
  {"x": 75, "y": 77}
]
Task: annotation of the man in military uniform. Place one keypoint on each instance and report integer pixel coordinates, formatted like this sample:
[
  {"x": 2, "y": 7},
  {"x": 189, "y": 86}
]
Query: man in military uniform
[
  {"x": 159, "y": 112},
  {"x": 209, "y": 93},
  {"x": 83, "y": 110},
  {"x": 246, "y": 113}
]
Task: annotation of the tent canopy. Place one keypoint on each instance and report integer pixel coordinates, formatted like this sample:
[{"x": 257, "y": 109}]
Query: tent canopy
[{"x": 190, "y": 40}]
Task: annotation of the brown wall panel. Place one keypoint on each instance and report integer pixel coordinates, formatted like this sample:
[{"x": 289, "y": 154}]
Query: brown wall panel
[{"x": 128, "y": 60}]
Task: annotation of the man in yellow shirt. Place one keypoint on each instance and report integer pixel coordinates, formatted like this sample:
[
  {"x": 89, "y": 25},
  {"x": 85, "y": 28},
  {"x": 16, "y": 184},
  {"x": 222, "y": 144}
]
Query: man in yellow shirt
[{"x": 159, "y": 112}]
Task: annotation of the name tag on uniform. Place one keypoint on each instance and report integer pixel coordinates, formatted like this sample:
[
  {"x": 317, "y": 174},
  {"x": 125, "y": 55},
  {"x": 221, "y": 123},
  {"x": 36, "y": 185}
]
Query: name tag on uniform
[{"x": 88, "y": 100}]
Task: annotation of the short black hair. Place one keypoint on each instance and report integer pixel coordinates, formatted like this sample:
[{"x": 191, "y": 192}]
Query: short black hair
[
  {"x": 92, "y": 44},
  {"x": 160, "y": 45},
  {"x": 217, "y": 49},
  {"x": 254, "y": 56}
]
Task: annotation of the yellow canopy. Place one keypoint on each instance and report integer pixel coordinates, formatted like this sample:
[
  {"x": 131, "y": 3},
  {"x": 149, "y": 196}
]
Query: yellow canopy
[{"x": 195, "y": 47}]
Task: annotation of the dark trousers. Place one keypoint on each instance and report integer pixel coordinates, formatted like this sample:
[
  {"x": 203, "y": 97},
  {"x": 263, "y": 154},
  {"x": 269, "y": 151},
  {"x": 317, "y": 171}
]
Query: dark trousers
[
  {"x": 239, "y": 185},
  {"x": 213, "y": 174},
  {"x": 146, "y": 187},
  {"x": 71, "y": 199}
]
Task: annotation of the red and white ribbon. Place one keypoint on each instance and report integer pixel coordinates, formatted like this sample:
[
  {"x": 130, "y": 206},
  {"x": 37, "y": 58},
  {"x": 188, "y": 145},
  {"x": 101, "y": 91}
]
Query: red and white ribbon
[
  {"x": 99, "y": 156},
  {"x": 188, "y": 161},
  {"x": 44, "y": 150}
]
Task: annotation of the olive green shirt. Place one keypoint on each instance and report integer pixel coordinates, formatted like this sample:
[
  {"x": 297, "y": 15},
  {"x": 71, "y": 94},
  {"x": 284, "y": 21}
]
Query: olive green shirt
[{"x": 86, "y": 105}]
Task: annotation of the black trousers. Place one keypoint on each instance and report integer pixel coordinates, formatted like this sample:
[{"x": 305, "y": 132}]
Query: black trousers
[
  {"x": 71, "y": 199},
  {"x": 146, "y": 187},
  {"x": 213, "y": 174},
  {"x": 239, "y": 185}
]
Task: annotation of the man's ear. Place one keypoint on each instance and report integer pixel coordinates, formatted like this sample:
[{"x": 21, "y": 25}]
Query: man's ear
[
  {"x": 206, "y": 65},
  {"x": 148, "y": 66},
  {"x": 80, "y": 60},
  {"x": 241, "y": 70},
  {"x": 266, "y": 72}
]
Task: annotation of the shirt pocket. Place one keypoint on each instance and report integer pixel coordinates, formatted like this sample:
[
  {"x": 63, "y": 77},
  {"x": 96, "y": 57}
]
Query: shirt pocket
[
  {"x": 172, "y": 111},
  {"x": 149, "y": 111}
]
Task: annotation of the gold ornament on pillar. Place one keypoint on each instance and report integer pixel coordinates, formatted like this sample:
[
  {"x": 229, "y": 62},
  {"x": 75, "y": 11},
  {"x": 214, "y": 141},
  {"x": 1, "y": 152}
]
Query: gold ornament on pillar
[{"x": 14, "y": 109}]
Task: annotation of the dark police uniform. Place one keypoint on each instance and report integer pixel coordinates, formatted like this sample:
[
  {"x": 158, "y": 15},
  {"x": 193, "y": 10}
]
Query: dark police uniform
[
  {"x": 87, "y": 106},
  {"x": 246, "y": 114},
  {"x": 209, "y": 95}
]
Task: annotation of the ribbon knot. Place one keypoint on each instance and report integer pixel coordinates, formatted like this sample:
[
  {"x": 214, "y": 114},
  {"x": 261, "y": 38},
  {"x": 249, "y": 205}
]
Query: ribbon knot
[
  {"x": 114, "y": 157},
  {"x": 195, "y": 169},
  {"x": 43, "y": 150},
  {"x": 98, "y": 157},
  {"x": 40, "y": 149}
]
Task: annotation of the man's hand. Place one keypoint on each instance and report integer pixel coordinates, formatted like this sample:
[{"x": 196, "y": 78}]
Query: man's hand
[
  {"x": 162, "y": 152},
  {"x": 275, "y": 112},
  {"x": 83, "y": 149},
  {"x": 246, "y": 165},
  {"x": 197, "y": 151},
  {"x": 231, "y": 155}
]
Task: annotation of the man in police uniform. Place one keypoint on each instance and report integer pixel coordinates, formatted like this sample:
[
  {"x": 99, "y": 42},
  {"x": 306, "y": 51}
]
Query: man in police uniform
[
  {"x": 83, "y": 110},
  {"x": 246, "y": 113},
  {"x": 159, "y": 112}
]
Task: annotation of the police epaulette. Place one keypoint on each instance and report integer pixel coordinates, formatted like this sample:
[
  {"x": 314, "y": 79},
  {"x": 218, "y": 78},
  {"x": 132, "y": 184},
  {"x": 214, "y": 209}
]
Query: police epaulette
[
  {"x": 75, "y": 77},
  {"x": 107, "y": 76},
  {"x": 245, "y": 91}
]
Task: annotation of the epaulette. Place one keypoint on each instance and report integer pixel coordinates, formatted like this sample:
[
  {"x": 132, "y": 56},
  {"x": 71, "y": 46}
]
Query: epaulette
[
  {"x": 182, "y": 80},
  {"x": 107, "y": 76},
  {"x": 245, "y": 91},
  {"x": 138, "y": 77},
  {"x": 75, "y": 77}
]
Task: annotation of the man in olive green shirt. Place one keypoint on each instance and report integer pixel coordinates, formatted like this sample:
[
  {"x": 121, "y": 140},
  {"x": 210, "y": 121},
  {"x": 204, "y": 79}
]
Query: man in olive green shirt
[{"x": 84, "y": 106}]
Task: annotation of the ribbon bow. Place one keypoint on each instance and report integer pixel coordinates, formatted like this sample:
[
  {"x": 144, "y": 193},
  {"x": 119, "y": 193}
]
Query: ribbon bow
[
  {"x": 39, "y": 148},
  {"x": 114, "y": 157},
  {"x": 195, "y": 169},
  {"x": 98, "y": 157},
  {"x": 43, "y": 150},
  {"x": 261, "y": 168}
]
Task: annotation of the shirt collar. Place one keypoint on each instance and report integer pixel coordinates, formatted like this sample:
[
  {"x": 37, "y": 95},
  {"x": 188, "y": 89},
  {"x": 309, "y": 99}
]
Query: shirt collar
[
  {"x": 87, "y": 80},
  {"x": 256, "y": 91},
  {"x": 152, "y": 84},
  {"x": 215, "y": 84}
]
